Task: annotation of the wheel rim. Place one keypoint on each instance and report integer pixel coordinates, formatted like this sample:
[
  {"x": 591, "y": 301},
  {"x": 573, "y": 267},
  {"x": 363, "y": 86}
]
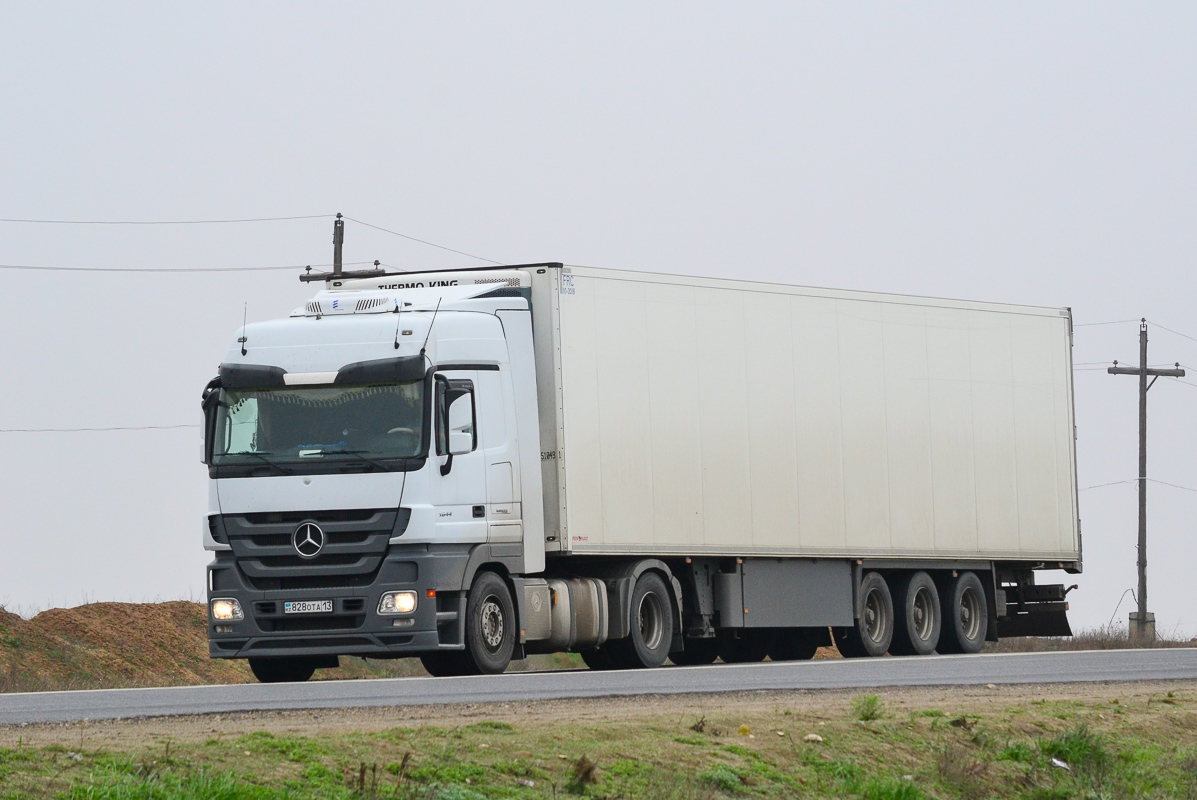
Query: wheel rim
[
  {"x": 970, "y": 613},
  {"x": 651, "y": 627},
  {"x": 876, "y": 617},
  {"x": 492, "y": 624},
  {"x": 924, "y": 615}
]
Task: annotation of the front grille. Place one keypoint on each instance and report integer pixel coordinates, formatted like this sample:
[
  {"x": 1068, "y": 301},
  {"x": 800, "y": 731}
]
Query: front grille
[
  {"x": 296, "y": 561},
  {"x": 297, "y": 583},
  {"x": 284, "y": 539},
  {"x": 355, "y": 545},
  {"x": 296, "y": 517}
]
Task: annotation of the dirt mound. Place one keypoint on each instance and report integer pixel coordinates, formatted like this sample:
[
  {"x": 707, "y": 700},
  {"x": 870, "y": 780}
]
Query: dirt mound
[{"x": 111, "y": 644}]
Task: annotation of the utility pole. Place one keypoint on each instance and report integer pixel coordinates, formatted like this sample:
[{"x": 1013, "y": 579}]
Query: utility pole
[
  {"x": 1142, "y": 624},
  {"x": 338, "y": 242}
]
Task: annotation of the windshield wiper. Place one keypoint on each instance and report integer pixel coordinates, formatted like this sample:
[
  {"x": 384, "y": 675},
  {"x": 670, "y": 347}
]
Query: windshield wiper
[
  {"x": 262, "y": 457},
  {"x": 358, "y": 454}
]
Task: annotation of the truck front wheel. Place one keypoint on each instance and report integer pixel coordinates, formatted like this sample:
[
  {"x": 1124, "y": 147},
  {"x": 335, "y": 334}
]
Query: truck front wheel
[
  {"x": 874, "y": 629},
  {"x": 652, "y": 626},
  {"x": 966, "y": 614},
  {"x": 490, "y": 624},
  {"x": 282, "y": 670}
]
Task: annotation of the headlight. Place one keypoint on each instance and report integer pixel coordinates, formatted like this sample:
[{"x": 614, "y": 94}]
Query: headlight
[
  {"x": 397, "y": 603},
  {"x": 227, "y": 610}
]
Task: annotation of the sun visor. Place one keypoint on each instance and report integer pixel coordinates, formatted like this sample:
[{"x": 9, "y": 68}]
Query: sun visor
[
  {"x": 383, "y": 370},
  {"x": 251, "y": 376}
]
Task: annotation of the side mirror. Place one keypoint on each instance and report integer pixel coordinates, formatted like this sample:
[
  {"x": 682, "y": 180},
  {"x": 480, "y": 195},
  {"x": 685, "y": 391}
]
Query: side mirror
[{"x": 461, "y": 425}]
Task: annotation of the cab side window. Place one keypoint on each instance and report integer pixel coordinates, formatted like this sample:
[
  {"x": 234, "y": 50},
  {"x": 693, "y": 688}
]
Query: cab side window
[{"x": 456, "y": 417}]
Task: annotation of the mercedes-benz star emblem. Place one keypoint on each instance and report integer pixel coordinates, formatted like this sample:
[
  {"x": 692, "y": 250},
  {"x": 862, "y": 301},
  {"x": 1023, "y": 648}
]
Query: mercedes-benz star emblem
[{"x": 308, "y": 540}]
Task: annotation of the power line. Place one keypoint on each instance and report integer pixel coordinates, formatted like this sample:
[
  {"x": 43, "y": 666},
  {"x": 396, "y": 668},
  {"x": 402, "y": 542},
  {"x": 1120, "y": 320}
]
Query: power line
[
  {"x": 1176, "y": 333},
  {"x": 423, "y": 241},
  {"x": 159, "y": 222},
  {"x": 82, "y": 430},
  {"x": 1103, "y": 485},
  {"x": 1111, "y": 322},
  {"x": 41, "y": 268}
]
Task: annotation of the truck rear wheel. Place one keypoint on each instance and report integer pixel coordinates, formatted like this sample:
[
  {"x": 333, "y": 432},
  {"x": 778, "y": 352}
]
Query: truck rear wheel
[
  {"x": 697, "y": 651},
  {"x": 282, "y": 670},
  {"x": 966, "y": 614},
  {"x": 793, "y": 644},
  {"x": 917, "y": 618},
  {"x": 651, "y": 623},
  {"x": 874, "y": 630}
]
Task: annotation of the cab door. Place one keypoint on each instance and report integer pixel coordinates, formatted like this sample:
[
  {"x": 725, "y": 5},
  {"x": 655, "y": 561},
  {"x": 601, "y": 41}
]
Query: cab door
[{"x": 458, "y": 470}]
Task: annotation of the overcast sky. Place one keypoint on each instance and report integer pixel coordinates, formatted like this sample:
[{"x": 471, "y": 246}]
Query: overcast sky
[{"x": 1027, "y": 153}]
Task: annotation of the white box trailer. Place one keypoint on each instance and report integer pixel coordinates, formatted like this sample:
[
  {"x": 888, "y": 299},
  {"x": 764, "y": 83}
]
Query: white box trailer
[
  {"x": 714, "y": 417},
  {"x": 475, "y": 465}
]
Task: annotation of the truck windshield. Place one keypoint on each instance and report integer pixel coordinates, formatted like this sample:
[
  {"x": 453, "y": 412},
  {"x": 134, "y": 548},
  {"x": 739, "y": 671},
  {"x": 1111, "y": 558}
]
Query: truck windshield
[{"x": 309, "y": 424}]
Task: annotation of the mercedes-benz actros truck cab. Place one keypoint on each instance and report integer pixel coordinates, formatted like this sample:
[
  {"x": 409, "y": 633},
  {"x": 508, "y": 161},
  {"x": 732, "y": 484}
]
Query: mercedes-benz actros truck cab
[{"x": 476, "y": 465}]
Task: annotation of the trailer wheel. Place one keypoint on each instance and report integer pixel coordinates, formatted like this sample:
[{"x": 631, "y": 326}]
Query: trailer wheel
[
  {"x": 874, "y": 630},
  {"x": 966, "y": 614},
  {"x": 651, "y": 623},
  {"x": 793, "y": 644},
  {"x": 490, "y": 624},
  {"x": 698, "y": 651},
  {"x": 917, "y": 617},
  {"x": 749, "y": 646},
  {"x": 282, "y": 670}
]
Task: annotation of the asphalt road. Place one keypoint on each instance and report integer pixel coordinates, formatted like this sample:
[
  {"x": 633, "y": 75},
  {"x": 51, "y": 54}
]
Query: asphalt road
[{"x": 1006, "y": 668}]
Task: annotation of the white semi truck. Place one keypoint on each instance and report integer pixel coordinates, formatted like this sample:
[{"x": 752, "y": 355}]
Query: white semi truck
[{"x": 477, "y": 465}]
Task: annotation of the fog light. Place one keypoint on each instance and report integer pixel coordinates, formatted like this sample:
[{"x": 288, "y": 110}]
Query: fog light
[
  {"x": 224, "y": 628},
  {"x": 403, "y": 623},
  {"x": 397, "y": 603},
  {"x": 227, "y": 610}
]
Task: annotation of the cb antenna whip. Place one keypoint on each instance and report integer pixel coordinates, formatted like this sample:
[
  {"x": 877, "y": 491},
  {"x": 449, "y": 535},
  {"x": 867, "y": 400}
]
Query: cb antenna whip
[{"x": 243, "y": 338}]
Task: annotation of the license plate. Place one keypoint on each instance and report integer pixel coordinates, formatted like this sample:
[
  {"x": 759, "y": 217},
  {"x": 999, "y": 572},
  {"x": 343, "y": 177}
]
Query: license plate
[{"x": 308, "y": 607}]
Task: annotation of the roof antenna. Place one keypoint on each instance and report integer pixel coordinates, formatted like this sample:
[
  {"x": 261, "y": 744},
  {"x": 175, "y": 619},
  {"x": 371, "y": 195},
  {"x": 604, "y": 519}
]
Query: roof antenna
[
  {"x": 338, "y": 243},
  {"x": 243, "y": 338},
  {"x": 430, "y": 324}
]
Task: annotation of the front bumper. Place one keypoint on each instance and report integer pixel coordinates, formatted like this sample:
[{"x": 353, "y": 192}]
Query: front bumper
[{"x": 354, "y": 626}]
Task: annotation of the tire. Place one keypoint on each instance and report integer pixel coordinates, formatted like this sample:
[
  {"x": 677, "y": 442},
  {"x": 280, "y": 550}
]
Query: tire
[
  {"x": 966, "y": 614},
  {"x": 651, "y": 625},
  {"x": 598, "y": 658},
  {"x": 874, "y": 630},
  {"x": 490, "y": 624},
  {"x": 793, "y": 644},
  {"x": 282, "y": 670},
  {"x": 449, "y": 664},
  {"x": 697, "y": 651},
  {"x": 746, "y": 646},
  {"x": 918, "y": 620}
]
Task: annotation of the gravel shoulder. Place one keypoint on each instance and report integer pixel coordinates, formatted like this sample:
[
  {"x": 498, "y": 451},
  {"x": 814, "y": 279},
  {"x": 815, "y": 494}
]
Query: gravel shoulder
[{"x": 813, "y": 704}]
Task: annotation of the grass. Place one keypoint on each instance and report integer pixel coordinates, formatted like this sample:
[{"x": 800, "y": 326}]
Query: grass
[
  {"x": 1033, "y": 750},
  {"x": 868, "y": 708}
]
